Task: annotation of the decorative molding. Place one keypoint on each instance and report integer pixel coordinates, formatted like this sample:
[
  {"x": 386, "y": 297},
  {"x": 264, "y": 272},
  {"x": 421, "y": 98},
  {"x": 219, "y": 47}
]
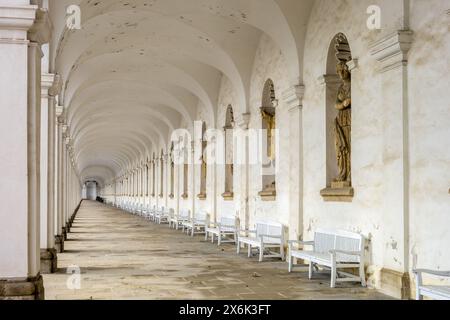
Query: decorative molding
[
  {"x": 353, "y": 64},
  {"x": 202, "y": 196},
  {"x": 293, "y": 97},
  {"x": 244, "y": 121},
  {"x": 228, "y": 196},
  {"x": 269, "y": 195},
  {"x": 15, "y": 22},
  {"x": 392, "y": 51},
  {"x": 56, "y": 87},
  {"x": 47, "y": 80},
  {"x": 41, "y": 31},
  {"x": 329, "y": 79},
  {"x": 343, "y": 194}
]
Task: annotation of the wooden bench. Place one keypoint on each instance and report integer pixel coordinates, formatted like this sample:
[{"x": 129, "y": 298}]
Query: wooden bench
[
  {"x": 434, "y": 292},
  {"x": 267, "y": 235},
  {"x": 177, "y": 220},
  {"x": 227, "y": 228},
  {"x": 197, "y": 224},
  {"x": 333, "y": 249}
]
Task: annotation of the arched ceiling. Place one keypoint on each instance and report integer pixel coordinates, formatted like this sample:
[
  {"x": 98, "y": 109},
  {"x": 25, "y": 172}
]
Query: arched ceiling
[{"x": 138, "y": 69}]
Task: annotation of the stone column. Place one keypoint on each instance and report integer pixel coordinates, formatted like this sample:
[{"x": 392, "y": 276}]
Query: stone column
[
  {"x": 293, "y": 99},
  {"x": 64, "y": 182},
  {"x": 244, "y": 170},
  {"x": 392, "y": 54},
  {"x": 59, "y": 239},
  {"x": 50, "y": 84},
  {"x": 20, "y": 56},
  {"x": 193, "y": 164}
]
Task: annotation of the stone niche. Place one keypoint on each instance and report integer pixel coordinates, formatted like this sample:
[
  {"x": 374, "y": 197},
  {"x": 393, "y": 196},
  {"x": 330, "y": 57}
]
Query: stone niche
[
  {"x": 337, "y": 84},
  {"x": 268, "y": 117}
]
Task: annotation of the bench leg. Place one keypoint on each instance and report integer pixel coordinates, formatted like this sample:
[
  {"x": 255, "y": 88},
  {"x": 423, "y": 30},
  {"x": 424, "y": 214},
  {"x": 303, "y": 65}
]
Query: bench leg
[
  {"x": 283, "y": 254},
  {"x": 249, "y": 251},
  {"x": 311, "y": 270},
  {"x": 291, "y": 263},
  {"x": 238, "y": 247},
  {"x": 219, "y": 239},
  {"x": 362, "y": 274},
  {"x": 333, "y": 273}
]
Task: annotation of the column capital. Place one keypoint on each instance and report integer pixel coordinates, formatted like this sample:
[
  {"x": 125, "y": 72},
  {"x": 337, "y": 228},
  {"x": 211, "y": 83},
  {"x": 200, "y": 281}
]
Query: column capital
[
  {"x": 15, "y": 21},
  {"x": 293, "y": 97},
  {"x": 51, "y": 85},
  {"x": 332, "y": 79},
  {"x": 244, "y": 121},
  {"x": 392, "y": 51},
  {"x": 41, "y": 31}
]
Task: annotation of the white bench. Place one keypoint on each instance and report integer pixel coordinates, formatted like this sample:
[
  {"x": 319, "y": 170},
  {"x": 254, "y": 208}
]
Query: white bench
[
  {"x": 333, "y": 249},
  {"x": 140, "y": 209},
  {"x": 267, "y": 235},
  {"x": 150, "y": 213},
  {"x": 433, "y": 292},
  {"x": 177, "y": 220},
  {"x": 197, "y": 224},
  {"x": 227, "y": 228},
  {"x": 162, "y": 216}
]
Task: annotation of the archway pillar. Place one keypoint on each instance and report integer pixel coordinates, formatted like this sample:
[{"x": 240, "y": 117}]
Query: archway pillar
[
  {"x": 293, "y": 98},
  {"x": 23, "y": 29},
  {"x": 50, "y": 85},
  {"x": 391, "y": 53},
  {"x": 59, "y": 239}
]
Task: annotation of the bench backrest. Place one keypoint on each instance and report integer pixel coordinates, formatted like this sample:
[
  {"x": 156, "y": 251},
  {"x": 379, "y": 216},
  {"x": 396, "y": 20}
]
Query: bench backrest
[
  {"x": 229, "y": 224},
  {"x": 269, "y": 229},
  {"x": 201, "y": 216},
  {"x": 184, "y": 214},
  {"x": 326, "y": 240}
]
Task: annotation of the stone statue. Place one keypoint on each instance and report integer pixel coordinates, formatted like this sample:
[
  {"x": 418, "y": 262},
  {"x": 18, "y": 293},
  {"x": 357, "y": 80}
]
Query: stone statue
[
  {"x": 271, "y": 126},
  {"x": 343, "y": 124}
]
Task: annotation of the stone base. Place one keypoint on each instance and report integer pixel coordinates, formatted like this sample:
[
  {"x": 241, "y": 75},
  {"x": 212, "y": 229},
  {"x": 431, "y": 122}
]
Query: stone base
[
  {"x": 268, "y": 195},
  {"x": 228, "y": 196},
  {"x": 395, "y": 284},
  {"x": 59, "y": 244},
  {"x": 64, "y": 234},
  {"x": 339, "y": 192},
  {"x": 49, "y": 261},
  {"x": 29, "y": 289},
  {"x": 201, "y": 196}
]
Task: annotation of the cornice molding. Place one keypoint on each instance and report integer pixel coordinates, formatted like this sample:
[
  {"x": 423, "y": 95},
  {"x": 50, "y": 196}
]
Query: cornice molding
[
  {"x": 15, "y": 21},
  {"x": 392, "y": 51}
]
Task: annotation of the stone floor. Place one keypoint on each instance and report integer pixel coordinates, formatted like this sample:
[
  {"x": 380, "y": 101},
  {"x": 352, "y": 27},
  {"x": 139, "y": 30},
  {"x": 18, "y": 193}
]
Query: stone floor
[{"x": 122, "y": 256}]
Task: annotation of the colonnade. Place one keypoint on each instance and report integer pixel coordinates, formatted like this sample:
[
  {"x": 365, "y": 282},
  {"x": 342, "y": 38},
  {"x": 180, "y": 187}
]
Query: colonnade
[{"x": 40, "y": 187}]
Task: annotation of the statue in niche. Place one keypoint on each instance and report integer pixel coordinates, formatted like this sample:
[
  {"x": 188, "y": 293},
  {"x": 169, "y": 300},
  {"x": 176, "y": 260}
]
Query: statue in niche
[
  {"x": 270, "y": 121},
  {"x": 343, "y": 125}
]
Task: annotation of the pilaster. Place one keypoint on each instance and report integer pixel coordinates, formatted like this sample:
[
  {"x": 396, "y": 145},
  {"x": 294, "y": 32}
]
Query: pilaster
[{"x": 391, "y": 53}]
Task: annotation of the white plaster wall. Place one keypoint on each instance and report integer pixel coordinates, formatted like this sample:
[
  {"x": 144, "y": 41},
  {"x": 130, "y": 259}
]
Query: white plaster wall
[
  {"x": 227, "y": 97},
  {"x": 13, "y": 157},
  {"x": 429, "y": 114},
  {"x": 270, "y": 64},
  {"x": 374, "y": 210},
  {"x": 364, "y": 214}
]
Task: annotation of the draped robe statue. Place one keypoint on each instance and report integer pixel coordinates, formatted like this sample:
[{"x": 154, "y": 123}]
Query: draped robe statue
[
  {"x": 271, "y": 126},
  {"x": 343, "y": 123}
]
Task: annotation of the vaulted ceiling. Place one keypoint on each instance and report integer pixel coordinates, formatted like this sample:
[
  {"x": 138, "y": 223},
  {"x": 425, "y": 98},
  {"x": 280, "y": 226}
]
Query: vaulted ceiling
[{"x": 138, "y": 69}]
